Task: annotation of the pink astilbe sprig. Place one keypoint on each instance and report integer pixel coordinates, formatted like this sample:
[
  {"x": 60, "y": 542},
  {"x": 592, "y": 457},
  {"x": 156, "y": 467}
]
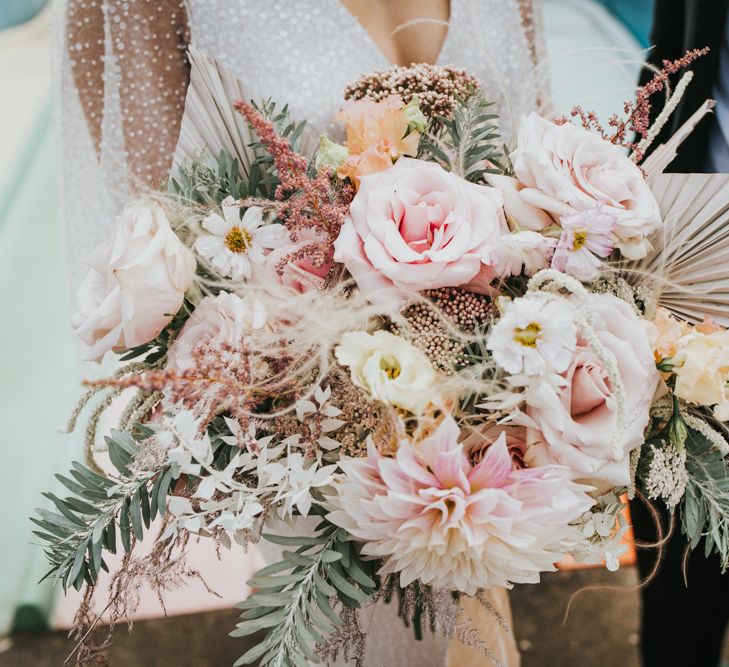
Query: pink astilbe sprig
[
  {"x": 307, "y": 203},
  {"x": 637, "y": 119},
  {"x": 222, "y": 378}
]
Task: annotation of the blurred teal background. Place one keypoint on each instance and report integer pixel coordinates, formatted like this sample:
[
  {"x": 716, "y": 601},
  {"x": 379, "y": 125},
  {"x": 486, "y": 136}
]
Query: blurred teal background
[
  {"x": 635, "y": 15},
  {"x": 38, "y": 372},
  {"x": 15, "y": 12},
  {"x": 39, "y": 377}
]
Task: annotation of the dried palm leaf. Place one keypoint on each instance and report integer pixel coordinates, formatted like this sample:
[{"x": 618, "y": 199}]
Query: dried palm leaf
[
  {"x": 689, "y": 266},
  {"x": 209, "y": 123},
  {"x": 664, "y": 154}
]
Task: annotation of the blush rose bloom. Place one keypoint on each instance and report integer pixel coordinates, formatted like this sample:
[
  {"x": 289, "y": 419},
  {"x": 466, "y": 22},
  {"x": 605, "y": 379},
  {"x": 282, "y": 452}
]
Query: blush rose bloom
[
  {"x": 417, "y": 226},
  {"x": 225, "y": 318},
  {"x": 566, "y": 169},
  {"x": 576, "y": 423},
  {"x": 291, "y": 267},
  {"x": 136, "y": 283}
]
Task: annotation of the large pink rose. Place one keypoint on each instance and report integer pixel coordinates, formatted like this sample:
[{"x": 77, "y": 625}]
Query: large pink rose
[
  {"x": 136, "y": 283},
  {"x": 222, "y": 319},
  {"x": 566, "y": 169},
  {"x": 417, "y": 226},
  {"x": 576, "y": 423}
]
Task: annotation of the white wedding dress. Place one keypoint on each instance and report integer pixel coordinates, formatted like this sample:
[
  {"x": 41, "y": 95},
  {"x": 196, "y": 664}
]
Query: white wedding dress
[{"x": 122, "y": 100}]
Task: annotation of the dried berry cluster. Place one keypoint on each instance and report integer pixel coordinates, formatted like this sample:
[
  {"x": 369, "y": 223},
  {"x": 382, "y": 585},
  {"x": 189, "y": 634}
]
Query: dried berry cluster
[
  {"x": 429, "y": 323},
  {"x": 437, "y": 88}
]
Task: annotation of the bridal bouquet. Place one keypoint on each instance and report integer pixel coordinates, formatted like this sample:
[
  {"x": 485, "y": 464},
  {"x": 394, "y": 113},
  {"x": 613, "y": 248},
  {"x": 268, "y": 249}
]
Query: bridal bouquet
[{"x": 423, "y": 363}]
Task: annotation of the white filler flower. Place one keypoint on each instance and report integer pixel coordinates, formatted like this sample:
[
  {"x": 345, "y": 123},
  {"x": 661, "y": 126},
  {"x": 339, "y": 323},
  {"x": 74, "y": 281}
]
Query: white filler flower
[
  {"x": 234, "y": 246},
  {"x": 535, "y": 336}
]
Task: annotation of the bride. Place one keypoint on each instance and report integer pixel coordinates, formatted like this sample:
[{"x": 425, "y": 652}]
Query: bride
[{"x": 125, "y": 77}]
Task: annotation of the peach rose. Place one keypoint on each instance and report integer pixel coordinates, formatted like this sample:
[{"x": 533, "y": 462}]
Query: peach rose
[
  {"x": 375, "y": 158},
  {"x": 566, "y": 169},
  {"x": 702, "y": 371},
  {"x": 225, "y": 318},
  {"x": 577, "y": 423},
  {"x": 670, "y": 331},
  {"x": 417, "y": 226},
  {"x": 369, "y": 123},
  {"x": 136, "y": 283}
]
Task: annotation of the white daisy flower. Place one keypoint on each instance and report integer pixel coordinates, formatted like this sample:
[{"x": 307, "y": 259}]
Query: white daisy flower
[
  {"x": 535, "y": 336},
  {"x": 586, "y": 237},
  {"x": 235, "y": 246}
]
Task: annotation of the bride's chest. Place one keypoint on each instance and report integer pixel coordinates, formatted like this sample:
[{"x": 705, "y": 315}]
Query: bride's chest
[{"x": 305, "y": 53}]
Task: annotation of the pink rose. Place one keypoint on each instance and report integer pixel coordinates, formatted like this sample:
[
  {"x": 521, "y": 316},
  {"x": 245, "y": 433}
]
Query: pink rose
[
  {"x": 136, "y": 283},
  {"x": 417, "y": 226},
  {"x": 291, "y": 265},
  {"x": 479, "y": 440},
  {"x": 520, "y": 215},
  {"x": 225, "y": 318},
  {"x": 566, "y": 169},
  {"x": 577, "y": 422}
]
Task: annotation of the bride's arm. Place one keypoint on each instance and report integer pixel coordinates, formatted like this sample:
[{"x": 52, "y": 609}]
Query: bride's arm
[
  {"x": 530, "y": 12},
  {"x": 129, "y": 63}
]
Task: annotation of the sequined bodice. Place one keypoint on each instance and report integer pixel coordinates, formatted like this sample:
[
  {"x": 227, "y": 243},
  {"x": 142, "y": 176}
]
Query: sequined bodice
[{"x": 306, "y": 53}]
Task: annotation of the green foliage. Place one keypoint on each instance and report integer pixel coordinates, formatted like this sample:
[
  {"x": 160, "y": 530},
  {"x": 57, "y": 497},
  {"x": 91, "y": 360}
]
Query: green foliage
[
  {"x": 86, "y": 522},
  {"x": 294, "y": 597},
  {"x": 209, "y": 184},
  {"x": 286, "y": 129},
  {"x": 205, "y": 184},
  {"x": 705, "y": 507},
  {"x": 466, "y": 142},
  {"x": 677, "y": 428}
]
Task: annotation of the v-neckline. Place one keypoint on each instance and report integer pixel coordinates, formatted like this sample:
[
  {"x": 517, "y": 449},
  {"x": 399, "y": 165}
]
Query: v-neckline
[{"x": 374, "y": 46}]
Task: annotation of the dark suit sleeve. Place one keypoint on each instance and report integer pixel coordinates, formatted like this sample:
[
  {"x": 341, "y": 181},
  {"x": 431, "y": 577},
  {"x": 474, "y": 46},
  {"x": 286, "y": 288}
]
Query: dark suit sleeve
[
  {"x": 667, "y": 40},
  {"x": 680, "y": 26}
]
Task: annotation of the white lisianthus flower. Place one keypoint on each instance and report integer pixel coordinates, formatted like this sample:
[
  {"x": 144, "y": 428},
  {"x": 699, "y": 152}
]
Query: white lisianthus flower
[
  {"x": 330, "y": 154},
  {"x": 234, "y": 245},
  {"x": 702, "y": 371},
  {"x": 535, "y": 336},
  {"x": 390, "y": 369},
  {"x": 520, "y": 215}
]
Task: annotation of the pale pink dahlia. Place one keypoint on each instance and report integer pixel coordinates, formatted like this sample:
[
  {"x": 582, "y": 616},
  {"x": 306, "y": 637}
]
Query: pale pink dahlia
[{"x": 434, "y": 515}]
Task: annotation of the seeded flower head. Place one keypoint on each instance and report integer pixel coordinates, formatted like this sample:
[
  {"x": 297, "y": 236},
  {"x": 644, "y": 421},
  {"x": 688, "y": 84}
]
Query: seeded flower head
[{"x": 437, "y": 88}]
